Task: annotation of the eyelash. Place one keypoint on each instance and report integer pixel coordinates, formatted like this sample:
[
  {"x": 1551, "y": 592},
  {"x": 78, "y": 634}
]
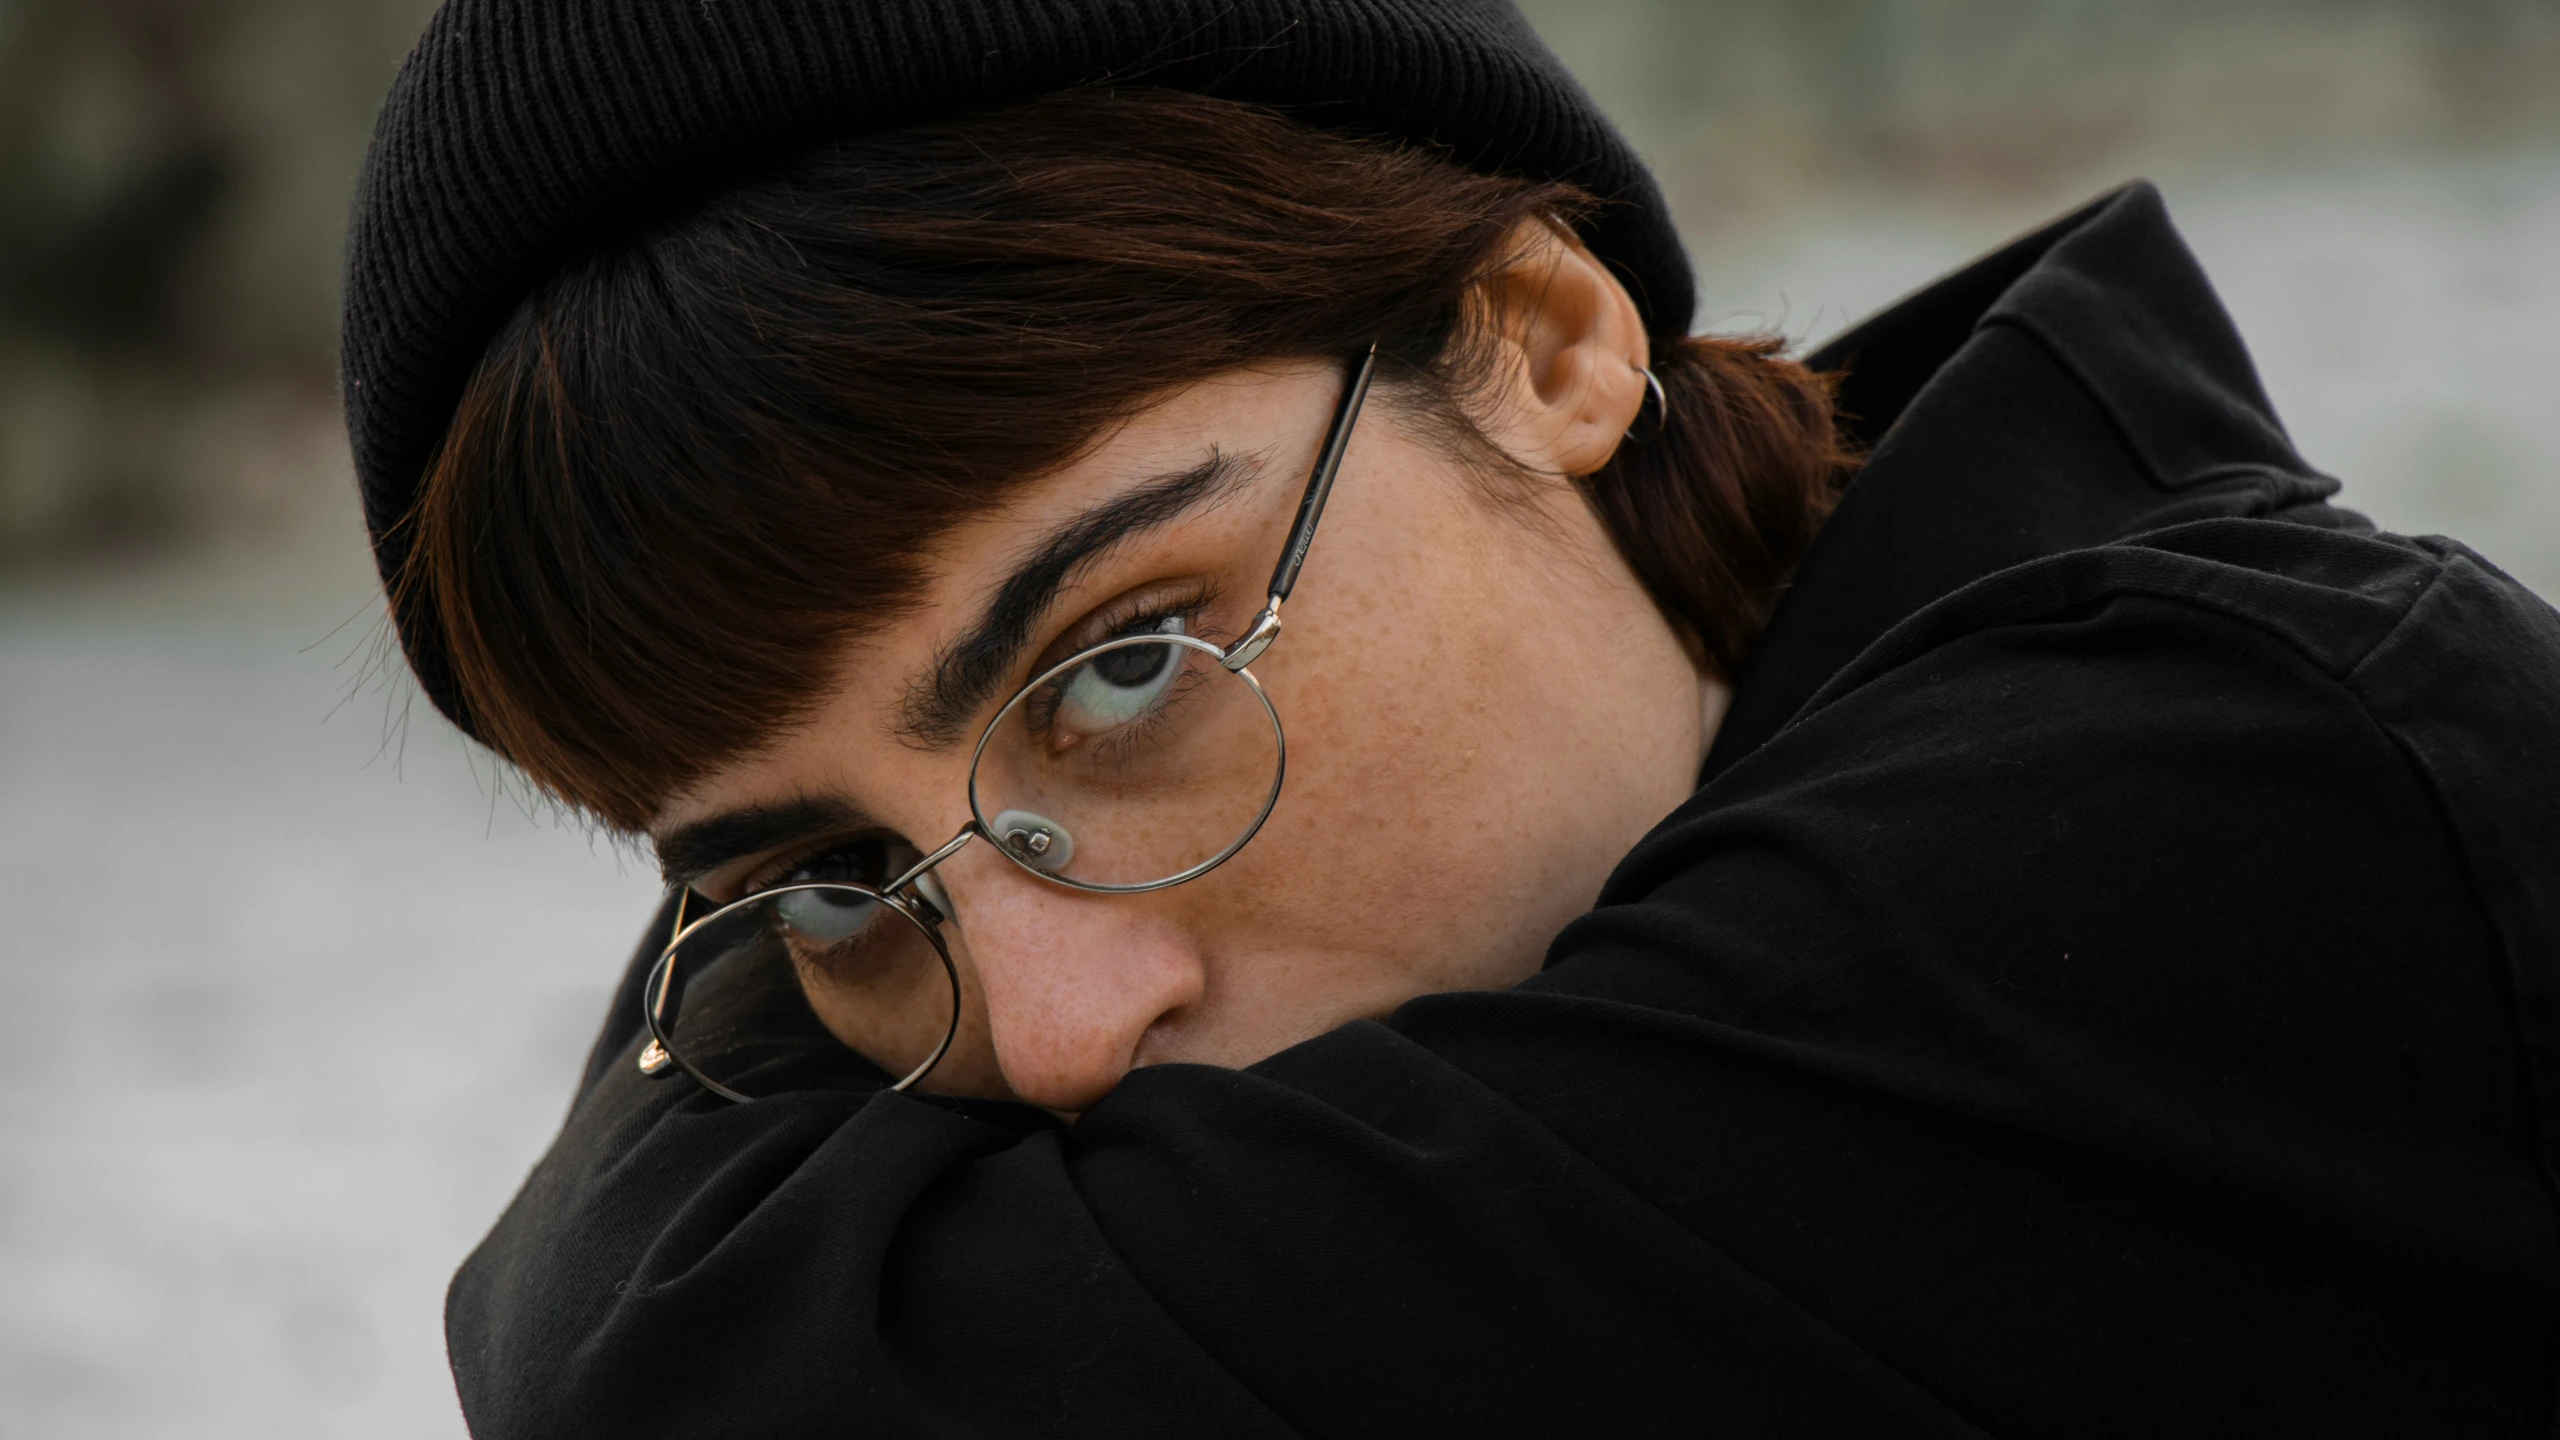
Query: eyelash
[
  {"x": 781, "y": 870},
  {"x": 1137, "y": 613},
  {"x": 1132, "y": 614}
]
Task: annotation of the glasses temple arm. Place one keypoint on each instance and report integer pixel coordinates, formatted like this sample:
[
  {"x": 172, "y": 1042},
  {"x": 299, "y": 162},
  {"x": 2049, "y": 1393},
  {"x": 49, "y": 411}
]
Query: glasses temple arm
[{"x": 1302, "y": 533}]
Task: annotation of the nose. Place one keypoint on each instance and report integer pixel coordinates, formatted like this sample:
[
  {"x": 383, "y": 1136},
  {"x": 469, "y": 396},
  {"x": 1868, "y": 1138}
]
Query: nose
[{"x": 1072, "y": 983}]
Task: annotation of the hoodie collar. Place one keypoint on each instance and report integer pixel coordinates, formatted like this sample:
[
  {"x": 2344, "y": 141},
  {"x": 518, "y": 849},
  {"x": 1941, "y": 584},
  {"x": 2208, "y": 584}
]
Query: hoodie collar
[{"x": 2078, "y": 385}]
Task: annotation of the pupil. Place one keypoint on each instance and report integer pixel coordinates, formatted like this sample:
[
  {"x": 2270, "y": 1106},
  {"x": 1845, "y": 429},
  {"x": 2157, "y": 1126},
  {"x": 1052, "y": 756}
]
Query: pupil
[{"x": 1135, "y": 666}]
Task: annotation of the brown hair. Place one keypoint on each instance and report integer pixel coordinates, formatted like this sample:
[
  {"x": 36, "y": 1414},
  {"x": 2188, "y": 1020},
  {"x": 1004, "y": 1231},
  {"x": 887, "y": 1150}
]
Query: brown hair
[{"x": 697, "y": 461}]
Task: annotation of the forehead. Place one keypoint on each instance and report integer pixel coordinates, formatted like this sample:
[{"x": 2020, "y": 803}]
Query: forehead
[{"x": 1264, "y": 415}]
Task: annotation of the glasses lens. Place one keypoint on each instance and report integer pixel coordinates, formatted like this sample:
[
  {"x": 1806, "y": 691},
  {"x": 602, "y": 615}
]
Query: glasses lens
[
  {"x": 735, "y": 1005},
  {"x": 1139, "y": 761}
]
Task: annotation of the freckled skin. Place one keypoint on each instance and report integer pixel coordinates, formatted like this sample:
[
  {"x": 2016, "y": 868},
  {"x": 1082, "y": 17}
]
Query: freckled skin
[{"x": 1484, "y": 711}]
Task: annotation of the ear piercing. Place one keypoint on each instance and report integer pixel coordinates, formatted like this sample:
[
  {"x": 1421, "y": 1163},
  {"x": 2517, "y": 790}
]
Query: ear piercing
[{"x": 1661, "y": 408}]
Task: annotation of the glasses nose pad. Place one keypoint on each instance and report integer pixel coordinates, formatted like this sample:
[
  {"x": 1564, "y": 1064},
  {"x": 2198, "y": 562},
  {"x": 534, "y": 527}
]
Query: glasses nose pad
[
  {"x": 1035, "y": 840},
  {"x": 929, "y": 885}
]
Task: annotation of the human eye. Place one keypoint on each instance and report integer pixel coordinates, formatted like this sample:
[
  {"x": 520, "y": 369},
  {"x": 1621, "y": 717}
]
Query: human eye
[
  {"x": 1119, "y": 687},
  {"x": 1116, "y": 693},
  {"x": 828, "y": 917},
  {"x": 823, "y": 917}
]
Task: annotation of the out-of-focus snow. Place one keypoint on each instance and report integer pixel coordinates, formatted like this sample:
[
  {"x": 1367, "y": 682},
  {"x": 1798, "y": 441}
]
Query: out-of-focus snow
[{"x": 281, "y": 1027}]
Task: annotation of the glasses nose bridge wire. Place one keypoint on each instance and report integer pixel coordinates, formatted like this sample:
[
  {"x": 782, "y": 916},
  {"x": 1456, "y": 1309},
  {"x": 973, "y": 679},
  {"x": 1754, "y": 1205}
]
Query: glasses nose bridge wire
[{"x": 919, "y": 871}]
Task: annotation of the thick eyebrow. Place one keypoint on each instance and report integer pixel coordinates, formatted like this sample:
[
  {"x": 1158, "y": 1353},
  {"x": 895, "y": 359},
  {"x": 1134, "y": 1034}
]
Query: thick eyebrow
[
  {"x": 965, "y": 674},
  {"x": 687, "y": 854}
]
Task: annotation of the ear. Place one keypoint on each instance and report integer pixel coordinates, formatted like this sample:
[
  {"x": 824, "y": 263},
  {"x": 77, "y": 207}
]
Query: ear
[{"x": 1570, "y": 352}]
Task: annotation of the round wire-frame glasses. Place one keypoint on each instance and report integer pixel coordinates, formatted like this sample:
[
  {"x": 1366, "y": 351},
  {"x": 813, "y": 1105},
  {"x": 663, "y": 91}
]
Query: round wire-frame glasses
[{"x": 1136, "y": 764}]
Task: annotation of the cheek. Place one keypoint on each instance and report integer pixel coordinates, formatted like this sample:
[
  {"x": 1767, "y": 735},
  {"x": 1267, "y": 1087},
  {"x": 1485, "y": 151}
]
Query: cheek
[
  {"x": 1409, "y": 831},
  {"x": 1476, "y": 736}
]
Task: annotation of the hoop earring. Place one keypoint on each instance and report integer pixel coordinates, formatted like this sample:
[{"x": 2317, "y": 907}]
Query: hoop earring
[{"x": 1636, "y": 429}]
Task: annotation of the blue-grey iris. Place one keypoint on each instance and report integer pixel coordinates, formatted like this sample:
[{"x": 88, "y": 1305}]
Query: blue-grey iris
[
  {"x": 825, "y": 916},
  {"x": 1119, "y": 687}
]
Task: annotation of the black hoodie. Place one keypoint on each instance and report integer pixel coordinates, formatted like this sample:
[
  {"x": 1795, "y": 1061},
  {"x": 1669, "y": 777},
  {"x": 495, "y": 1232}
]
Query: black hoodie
[{"x": 2109, "y": 983}]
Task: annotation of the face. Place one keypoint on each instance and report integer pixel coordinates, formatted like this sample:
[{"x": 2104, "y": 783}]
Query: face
[{"x": 1483, "y": 712}]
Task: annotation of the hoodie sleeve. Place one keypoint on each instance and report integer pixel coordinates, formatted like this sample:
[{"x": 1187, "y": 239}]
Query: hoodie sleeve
[{"x": 2096, "y": 1014}]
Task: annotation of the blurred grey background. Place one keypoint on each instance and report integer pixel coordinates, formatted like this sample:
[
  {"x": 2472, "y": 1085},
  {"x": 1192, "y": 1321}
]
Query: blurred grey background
[{"x": 294, "y": 986}]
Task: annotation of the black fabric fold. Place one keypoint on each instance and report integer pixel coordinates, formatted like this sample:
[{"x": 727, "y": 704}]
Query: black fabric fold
[{"x": 2098, "y": 326}]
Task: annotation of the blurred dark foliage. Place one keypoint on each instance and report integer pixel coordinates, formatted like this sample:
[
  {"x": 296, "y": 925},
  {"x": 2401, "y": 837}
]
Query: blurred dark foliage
[
  {"x": 174, "y": 178},
  {"x": 104, "y": 275},
  {"x": 1760, "y": 103},
  {"x": 97, "y": 265}
]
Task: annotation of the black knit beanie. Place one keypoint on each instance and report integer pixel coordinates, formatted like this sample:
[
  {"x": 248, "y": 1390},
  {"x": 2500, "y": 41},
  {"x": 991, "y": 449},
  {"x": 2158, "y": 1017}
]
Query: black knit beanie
[{"x": 521, "y": 133}]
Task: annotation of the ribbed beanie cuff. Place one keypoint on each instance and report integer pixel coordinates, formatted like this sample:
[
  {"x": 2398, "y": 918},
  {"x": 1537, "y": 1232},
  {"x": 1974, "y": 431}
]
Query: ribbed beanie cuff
[{"x": 521, "y": 133}]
